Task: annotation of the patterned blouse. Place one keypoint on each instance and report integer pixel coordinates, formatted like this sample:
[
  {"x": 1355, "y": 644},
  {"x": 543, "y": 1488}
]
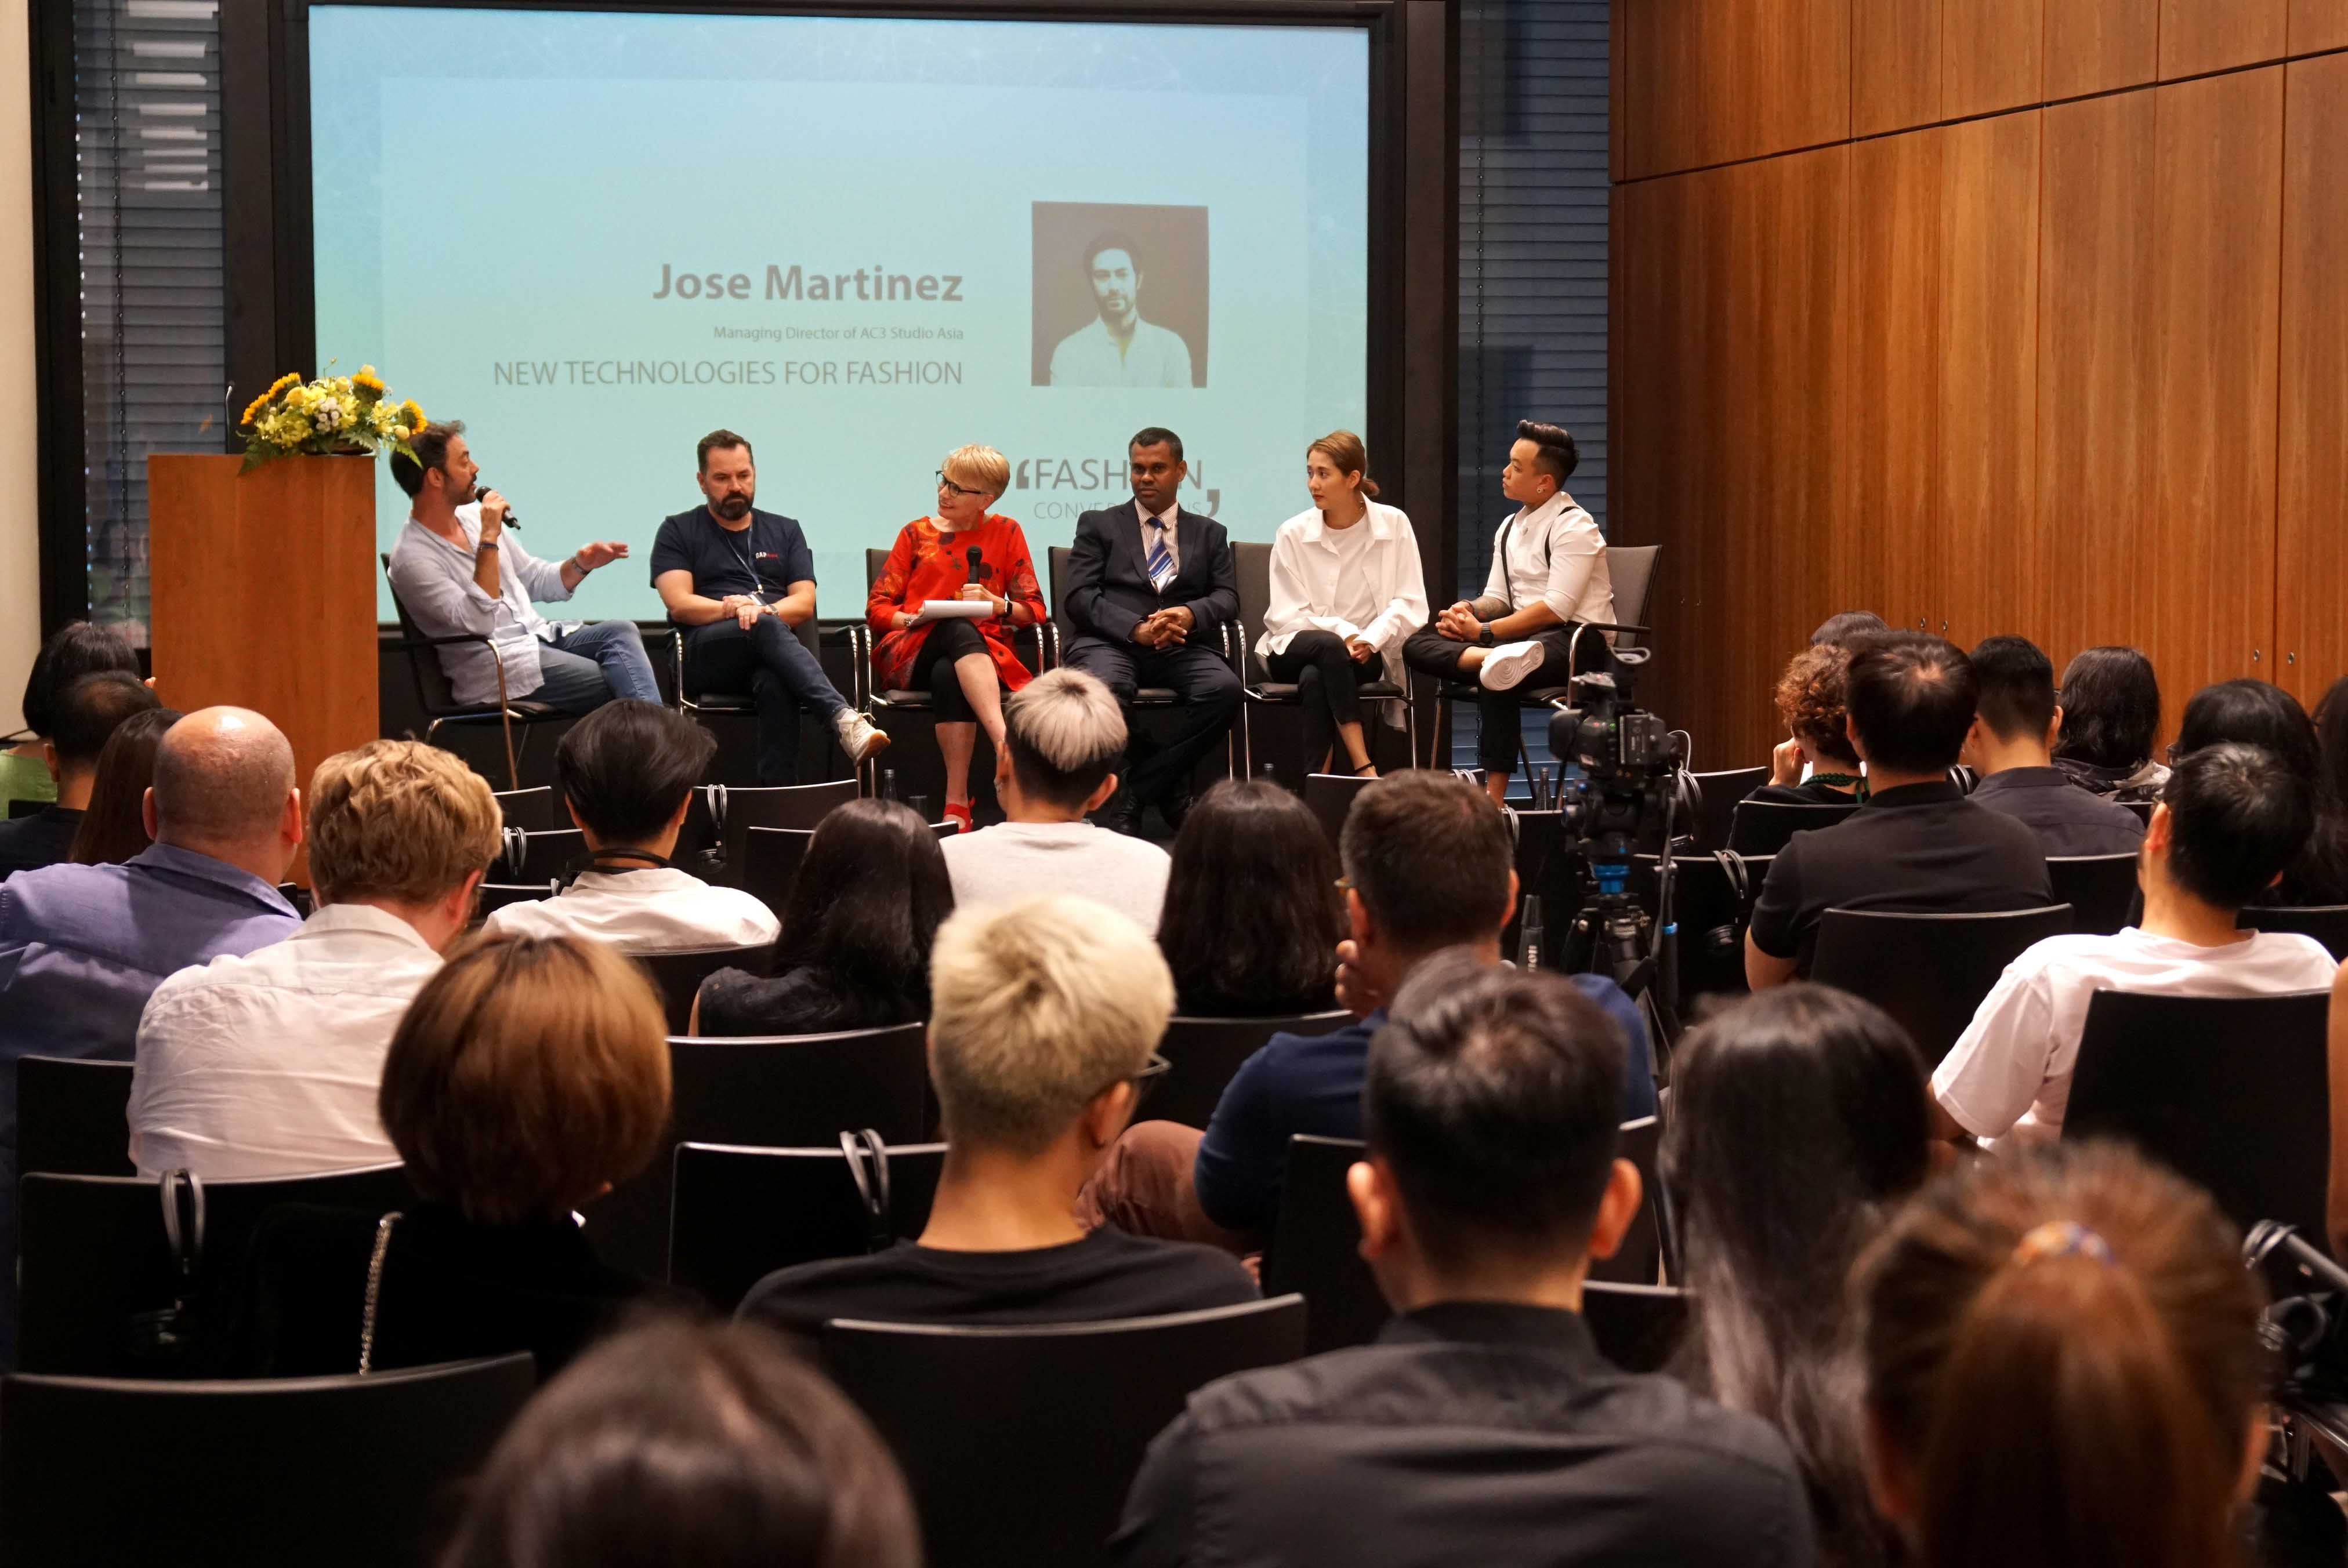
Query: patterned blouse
[{"x": 925, "y": 563}]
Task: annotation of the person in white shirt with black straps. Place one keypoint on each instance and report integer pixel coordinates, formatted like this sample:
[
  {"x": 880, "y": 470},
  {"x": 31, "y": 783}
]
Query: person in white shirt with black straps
[
  {"x": 627, "y": 773},
  {"x": 2231, "y": 818},
  {"x": 268, "y": 1064},
  {"x": 1548, "y": 586},
  {"x": 1347, "y": 590}
]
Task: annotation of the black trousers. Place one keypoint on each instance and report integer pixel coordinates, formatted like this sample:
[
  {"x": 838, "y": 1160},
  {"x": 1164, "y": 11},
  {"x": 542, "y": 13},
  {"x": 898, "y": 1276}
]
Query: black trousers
[
  {"x": 1206, "y": 689},
  {"x": 948, "y": 643},
  {"x": 1498, "y": 735},
  {"x": 1328, "y": 684}
]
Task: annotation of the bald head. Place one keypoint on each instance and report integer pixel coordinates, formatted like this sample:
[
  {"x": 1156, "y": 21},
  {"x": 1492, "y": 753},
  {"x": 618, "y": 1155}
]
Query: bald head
[{"x": 222, "y": 778}]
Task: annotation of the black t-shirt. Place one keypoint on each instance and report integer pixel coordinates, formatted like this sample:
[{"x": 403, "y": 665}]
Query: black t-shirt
[
  {"x": 1107, "y": 1275},
  {"x": 1919, "y": 847},
  {"x": 44, "y": 838},
  {"x": 764, "y": 559}
]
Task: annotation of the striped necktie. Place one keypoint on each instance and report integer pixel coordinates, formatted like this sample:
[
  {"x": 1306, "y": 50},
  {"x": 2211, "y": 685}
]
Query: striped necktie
[{"x": 1161, "y": 560}]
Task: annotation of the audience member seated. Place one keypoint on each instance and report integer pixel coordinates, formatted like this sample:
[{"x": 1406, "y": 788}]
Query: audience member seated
[
  {"x": 77, "y": 648},
  {"x": 1918, "y": 844},
  {"x": 1483, "y": 1426},
  {"x": 2230, "y": 819},
  {"x": 2011, "y": 747},
  {"x": 268, "y": 1064},
  {"x": 85, "y": 716},
  {"x": 2255, "y": 713},
  {"x": 528, "y": 1076},
  {"x": 1252, "y": 915},
  {"x": 1845, "y": 631},
  {"x": 2323, "y": 869},
  {"x": 1045, "y": 1023},
  {"x": 1429, "y": 866},
  {"x": 627, "y": 772},
  {"x": 2063, "y": 1367},
  {"x": 689, "y": 1443},
  {"x": 1800, "y": 1124},
  {"x": 1063, "y": 734},
  {"x": 114, "y": 825},
  {"x": 2336, "y": 1204},
  {"x": 856, "y": 934},
  {"x": 2111, "y": 717},
  {"x": 1809, "y": 699}
]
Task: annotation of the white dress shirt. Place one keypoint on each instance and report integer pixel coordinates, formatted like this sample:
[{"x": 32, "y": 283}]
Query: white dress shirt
[
  {"x": 1169, "y": 520},
  {"x": 268, "y": 1064},
  {"x": 1553, "y": 554},
  {"x": 1089, "y": 356},
  {"x": 659, "y": 909},
  {"x": 1312, "y": 578},
  {"x": 434, "y": 580}
]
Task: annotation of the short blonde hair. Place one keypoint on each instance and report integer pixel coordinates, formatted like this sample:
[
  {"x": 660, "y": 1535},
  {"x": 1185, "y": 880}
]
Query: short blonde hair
[
  {"x": 1036, "y": 1008},
  {"x": 1065, "y": 731},
  {"x": 978, "y": 468},
  {"x": 399, "y": 820},
  {"x": 528, "y": 1073}
]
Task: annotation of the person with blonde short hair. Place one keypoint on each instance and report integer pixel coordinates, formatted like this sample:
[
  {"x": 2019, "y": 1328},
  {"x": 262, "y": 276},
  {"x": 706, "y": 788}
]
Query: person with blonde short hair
[
  {"x": 528, "y": 1077},
  {"x": 266, "y": 1064},
  {"x": 1044, "y": 1027},
  {"x": 971, "y": 555},
  {"x": 1064, "y": 733}
]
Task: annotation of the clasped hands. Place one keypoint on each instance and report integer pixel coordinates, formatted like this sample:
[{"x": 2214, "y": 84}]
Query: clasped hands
[
  {"x": 1459, "y": 624},
  {"x": 746, "y": 608},
  {"x": 1164, "y": 629}
]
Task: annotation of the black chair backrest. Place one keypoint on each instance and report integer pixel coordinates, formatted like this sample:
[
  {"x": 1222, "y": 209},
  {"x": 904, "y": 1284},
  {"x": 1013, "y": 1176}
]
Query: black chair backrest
[
  {"x": 1636, "y": 1327},
  {"x": 1019, "y": 1444},
  {"x": 2143, "y": 809},
  {"x": 435, "y": 693},
  {"x": 1630, "y": 572},
  {"x": 536, "y": 810},
  {"x": 1712, "y": 912},
  {"x": 293, "y": 893},
  {"x": 1330, "y": 798},
  {"x": 1055, "y": 564},
  {"x": 677, "y": 975},
  {"x": 1929, "y": 971},
  {"x": 1766, "y": 827},
  {"x": 2100, "y": 889},
  {"x": 1722, "y": 791},
  {"x": 766, "y": 1091},
  {"x": 1206, "y": 1053},
  {"x": 73, "y": 1117},
  {"x": 495, "y": 895},
  {"x": 537, "y": 855},
  {"x": 770, "y": 863},
  {"x": 355, "y": 1471},
  {"x": 740, "y": 1214},
  {"x": 94, "y": 1254},
  {"x": 1315, "y": 1248},
  {"x": 2327, "y": 923},
  {"x": 737, "y": 811},
  {"x": 2229, "y": 1091},
  {"x": 1639, "y": 1260},
  {"x": 1254, "y": 564}
]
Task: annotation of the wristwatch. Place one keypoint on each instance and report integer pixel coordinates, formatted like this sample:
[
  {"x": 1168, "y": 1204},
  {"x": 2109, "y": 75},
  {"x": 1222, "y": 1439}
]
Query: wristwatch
[{"x": 1484, "y": 633}]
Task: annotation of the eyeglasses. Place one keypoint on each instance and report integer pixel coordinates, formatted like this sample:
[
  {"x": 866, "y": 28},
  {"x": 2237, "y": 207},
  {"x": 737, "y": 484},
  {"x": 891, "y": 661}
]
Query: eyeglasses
[
  {"x": 1143, "y": 1081},
  {"x": 951, "y": 488}
]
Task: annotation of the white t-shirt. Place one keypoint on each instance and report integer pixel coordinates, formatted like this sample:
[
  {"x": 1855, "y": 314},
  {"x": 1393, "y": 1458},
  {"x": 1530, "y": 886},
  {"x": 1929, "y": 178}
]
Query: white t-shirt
[
  {"x": 659, "y": 909},
  {"x": 1016, "y": 860},
  {"x": 2011, "y": 1070},
  {"x": 268, "y": 1064}
]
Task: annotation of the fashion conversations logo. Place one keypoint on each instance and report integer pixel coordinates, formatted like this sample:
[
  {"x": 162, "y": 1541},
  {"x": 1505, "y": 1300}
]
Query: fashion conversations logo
[{"x": 1106, "y": 475}]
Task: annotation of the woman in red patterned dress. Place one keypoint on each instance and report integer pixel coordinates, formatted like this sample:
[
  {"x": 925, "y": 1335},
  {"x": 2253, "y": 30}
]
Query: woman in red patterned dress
[{"x": 965, "y": 665}]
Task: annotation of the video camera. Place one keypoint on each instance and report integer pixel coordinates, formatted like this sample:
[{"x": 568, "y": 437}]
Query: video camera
[{"x": 1630, "y": 763}]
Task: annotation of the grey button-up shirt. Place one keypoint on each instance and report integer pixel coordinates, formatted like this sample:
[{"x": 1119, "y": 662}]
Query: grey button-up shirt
[{"x": 434, "y": 579}]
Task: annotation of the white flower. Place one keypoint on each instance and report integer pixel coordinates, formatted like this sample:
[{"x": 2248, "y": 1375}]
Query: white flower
[{"x": 327, "y": 415}]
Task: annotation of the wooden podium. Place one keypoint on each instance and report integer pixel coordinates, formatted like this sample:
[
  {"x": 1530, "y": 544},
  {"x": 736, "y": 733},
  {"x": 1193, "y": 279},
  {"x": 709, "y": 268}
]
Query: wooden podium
[{"x": 263, "y": 594}]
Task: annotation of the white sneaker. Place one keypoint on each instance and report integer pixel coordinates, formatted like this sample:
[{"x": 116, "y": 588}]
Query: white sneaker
[
  {"x": 1508, "y": 665},
  {"x": 859, "y": 737}
]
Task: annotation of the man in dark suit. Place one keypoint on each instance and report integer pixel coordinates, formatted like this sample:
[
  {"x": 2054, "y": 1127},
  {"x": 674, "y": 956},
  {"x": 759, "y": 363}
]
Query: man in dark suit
[{"x": 1150, "y": 588}]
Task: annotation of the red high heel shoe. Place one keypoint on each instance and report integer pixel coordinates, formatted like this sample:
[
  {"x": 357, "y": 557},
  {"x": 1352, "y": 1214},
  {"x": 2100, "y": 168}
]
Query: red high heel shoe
[{"x": 958, "y": 813}]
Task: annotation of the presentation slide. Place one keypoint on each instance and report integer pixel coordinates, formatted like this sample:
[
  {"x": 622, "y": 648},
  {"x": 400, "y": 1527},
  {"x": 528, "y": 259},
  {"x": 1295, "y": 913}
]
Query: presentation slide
[{"x": 861, "y": 243}]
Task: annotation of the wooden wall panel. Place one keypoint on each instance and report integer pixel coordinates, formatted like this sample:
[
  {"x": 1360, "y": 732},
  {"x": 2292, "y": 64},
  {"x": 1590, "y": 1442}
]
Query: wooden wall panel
[
  {"x": 1895, "y": 65},
  {"x": 1989, "y": 56},
  {"x": 2100, "y": 46},
  {"x": 2311, "y": 502},
  {"x": 1709, "y": 83},
  {"x": 2096, "y": 251},
  {"x": 2318, "y": 25},
  {"x": 2205, "y": 593},
  {"x": 2197, "y": 36}
]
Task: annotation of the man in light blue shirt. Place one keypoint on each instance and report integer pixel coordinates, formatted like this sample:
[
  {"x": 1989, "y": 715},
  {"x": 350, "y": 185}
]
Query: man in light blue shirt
[{"x": 83, "y": 947}]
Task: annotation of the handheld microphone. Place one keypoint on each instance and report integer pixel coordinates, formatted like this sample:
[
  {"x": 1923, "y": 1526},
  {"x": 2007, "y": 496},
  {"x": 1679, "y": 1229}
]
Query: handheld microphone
[
  {"x": 977, "y": 561},
  {"x": 480, "y": 489}
]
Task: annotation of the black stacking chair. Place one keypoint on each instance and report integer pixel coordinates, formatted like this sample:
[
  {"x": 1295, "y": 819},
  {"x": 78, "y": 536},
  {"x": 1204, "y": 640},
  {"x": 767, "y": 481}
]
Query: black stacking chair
[
  {"x": 438, "y": 697},
  {"x": 734, "y": 705},
  {"x": 1642, "y": 1258},
  {"x": 1019, "y": 1444},
  {"x": 1636, "y": 1327},
  {"x": 733, "y": 813},
  {"x": 1206, "y": 1051},
  {"x": 677, "y": 975},
  {"x": 770, "y": 863},
  {"x": 2327, "y": 923},
  {"x": 2143, "y": 809},
  {"x": 1330, "y": 798},
  {"x": 740, "y": 1214},
  {"x": 766, "y": 1091},
  {"x": 1721, "y": 793},
  {"x": 535, "y": 854},
  {"x": 1764, "y": 827},
  {"x": 1254, "y": 562},
  {"x": 94, "y": 1254},
  {"x": 73, "y": 1117},
  {"x": 536, "y": 810},
  {"x": 2100, "y": 889},
  {"x": 492, "y": 896},
  {"x": 2229, "y": 1091},
  {"x": 1315, "y": 1248},
  {"x": 1931, "y": 972},
  {"x": 1712, "y": 903},
  {"x": 362, "y": 1471},
  {"x": 1064, "y": 632},
  {"x": 293, "y": 893}
]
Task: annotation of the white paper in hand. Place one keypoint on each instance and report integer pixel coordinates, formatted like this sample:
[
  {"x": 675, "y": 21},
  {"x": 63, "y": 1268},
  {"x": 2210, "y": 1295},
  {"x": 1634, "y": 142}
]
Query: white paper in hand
[{"x": 953, "y": 609}]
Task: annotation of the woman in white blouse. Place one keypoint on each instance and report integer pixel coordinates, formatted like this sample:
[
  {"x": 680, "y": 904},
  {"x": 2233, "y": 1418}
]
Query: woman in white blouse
[{"x": 1347, "y": 590}]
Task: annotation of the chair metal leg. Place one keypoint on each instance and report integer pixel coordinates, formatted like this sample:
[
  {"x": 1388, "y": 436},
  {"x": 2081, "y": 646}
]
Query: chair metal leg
[{"x": 505, "y": 723}]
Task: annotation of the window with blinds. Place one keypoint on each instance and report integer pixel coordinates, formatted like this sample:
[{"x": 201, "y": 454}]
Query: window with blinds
[{"x": 147, "y": 153}]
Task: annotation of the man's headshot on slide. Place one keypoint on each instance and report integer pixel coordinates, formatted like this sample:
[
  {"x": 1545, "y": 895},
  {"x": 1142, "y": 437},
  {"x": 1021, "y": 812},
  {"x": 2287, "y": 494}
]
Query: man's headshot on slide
[{"x": 1133, "y": 287}]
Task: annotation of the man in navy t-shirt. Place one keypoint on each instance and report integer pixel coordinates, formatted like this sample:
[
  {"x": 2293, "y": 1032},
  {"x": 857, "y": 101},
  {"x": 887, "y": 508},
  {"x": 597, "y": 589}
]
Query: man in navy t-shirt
[{"x": 741, "y": 583}]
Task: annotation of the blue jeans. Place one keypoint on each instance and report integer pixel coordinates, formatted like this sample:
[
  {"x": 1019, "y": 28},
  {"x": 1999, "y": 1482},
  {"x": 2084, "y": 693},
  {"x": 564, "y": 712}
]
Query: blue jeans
[
  {"x": 781, "y": 675},
  {"x": 590, "y": 666}
]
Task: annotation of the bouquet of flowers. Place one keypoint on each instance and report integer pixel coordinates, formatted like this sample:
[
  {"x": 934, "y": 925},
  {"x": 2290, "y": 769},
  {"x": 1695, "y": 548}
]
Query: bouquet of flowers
[{"x": 332, "y": 414}]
